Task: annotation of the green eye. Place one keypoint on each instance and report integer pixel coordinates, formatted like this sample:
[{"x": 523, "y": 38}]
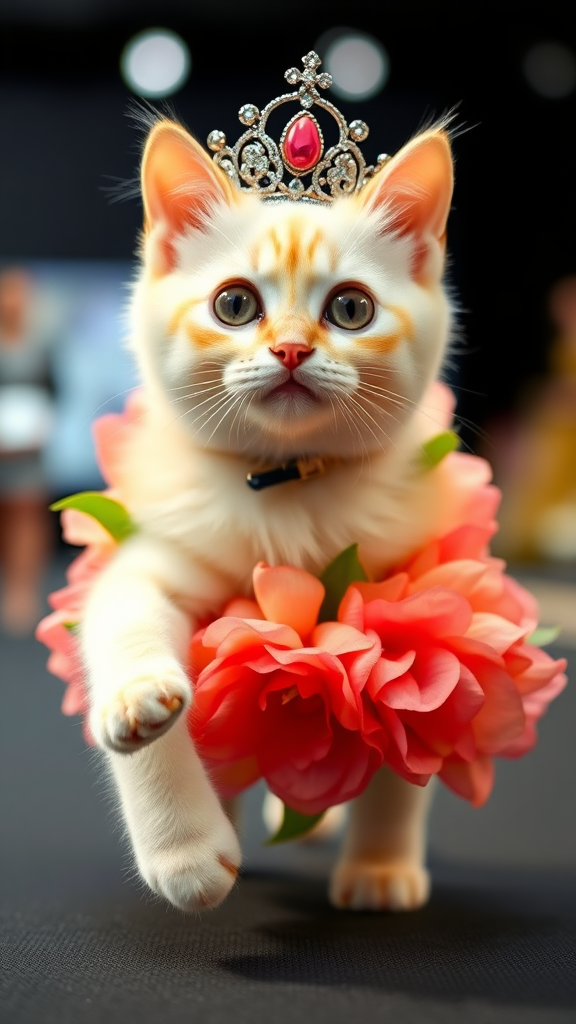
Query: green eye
[
  {"x": 350, "y": 309},
  {"x": 236, "y": 305}
]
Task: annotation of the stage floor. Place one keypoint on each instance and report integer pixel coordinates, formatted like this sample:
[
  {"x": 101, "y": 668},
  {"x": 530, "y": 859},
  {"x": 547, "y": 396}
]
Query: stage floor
[{"x": 83, "y": 941}]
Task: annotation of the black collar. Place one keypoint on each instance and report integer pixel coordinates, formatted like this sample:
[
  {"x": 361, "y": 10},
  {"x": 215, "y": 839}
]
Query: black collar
[{"x": 295, "y": 469}]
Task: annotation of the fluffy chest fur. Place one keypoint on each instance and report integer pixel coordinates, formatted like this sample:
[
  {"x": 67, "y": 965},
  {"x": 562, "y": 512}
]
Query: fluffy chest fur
[{"x": 199, "y": 500}]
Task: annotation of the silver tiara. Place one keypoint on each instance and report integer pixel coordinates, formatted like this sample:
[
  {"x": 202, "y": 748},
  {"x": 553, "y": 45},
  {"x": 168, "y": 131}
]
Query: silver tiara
[{"x": 257, "y": 164}]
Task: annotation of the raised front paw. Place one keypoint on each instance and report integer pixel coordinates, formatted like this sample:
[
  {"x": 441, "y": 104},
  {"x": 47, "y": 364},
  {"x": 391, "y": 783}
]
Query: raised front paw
[
  {"x": 142, "y": 708},
  {"x": 360, "y": 885}
]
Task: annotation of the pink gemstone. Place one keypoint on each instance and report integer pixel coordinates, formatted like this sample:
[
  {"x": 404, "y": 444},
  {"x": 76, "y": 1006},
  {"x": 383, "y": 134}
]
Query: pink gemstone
[{"x": 302, "y": 145}]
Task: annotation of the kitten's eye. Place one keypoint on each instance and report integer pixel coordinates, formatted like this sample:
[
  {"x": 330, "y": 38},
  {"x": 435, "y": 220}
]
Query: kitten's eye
[
  {"x": 236, "y": 305},
  {"x": 350, "y": 309}
]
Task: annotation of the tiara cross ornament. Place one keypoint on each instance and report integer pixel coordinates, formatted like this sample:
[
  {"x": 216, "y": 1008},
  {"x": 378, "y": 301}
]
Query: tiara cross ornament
[{"x": 257, "y": 164}]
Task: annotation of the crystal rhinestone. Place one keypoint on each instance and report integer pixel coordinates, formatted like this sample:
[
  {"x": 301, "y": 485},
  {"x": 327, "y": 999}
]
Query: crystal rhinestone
[
  {"x": 383, "y": 158},
  {"x": 302, "y": 146},
  {"x": 307, "y": 100},
  {"x": 311, "y": 60},
  {"x": 324, "y": 80},
  {"x": 359, "y": 130},
  {"x": 228, "y": 167},
  {"x": 295, "y": 185},
  {"x": 216, "y": 141},
  {"x": 292, "y": 76},
  {"x": 248, "y": 113}
]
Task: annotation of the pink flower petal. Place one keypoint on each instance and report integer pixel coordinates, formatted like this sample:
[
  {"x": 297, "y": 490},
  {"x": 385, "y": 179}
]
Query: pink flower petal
[
  {"x": 392, "y": 589},
  {"x": 351, "y": 610},
  {"x": 387, "y": 669},
  {"x": 337, "y": 638},
  {"x": 462, "y": 575},
  {"x": 501, "y": 719},
  {"x": 495, "y": 631},
  {"x": 81, "y": 529},
  {"x": 229, "y": 635},
  {"x": 288, "y": 595},
  {"x": 243, "y": 608},
  {"x": 472, "y": 781},
  {"x": 435, "y": 673},
  {"x": 439, "y": 612}
]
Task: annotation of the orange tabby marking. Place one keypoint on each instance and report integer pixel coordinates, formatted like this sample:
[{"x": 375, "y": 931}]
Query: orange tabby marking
[
  {"x": 388, "y": 342},
  {"x": 302, "y": 328},
  {"x": 179, "y": 315},
  {"x": 205, "y": 337}
]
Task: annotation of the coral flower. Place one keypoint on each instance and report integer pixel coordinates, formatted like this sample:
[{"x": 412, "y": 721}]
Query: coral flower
[
  {"x": 110, "y": 433},
  {"x": 456, "y": 682},
  {"x": 280, "y": 697},
  {"x": 429, "y": 671}
]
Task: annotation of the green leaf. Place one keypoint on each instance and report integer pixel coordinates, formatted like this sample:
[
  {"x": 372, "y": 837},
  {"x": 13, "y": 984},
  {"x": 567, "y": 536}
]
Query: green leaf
[
  {"x": 70, "y": 626},
  {"x": 113, "y": 516},
  {"x": 437, "y": 448},
  {"x": 545, "y": 635},
  {"x": 337, "y": 577},
  {"x": 293, "y": 826}
]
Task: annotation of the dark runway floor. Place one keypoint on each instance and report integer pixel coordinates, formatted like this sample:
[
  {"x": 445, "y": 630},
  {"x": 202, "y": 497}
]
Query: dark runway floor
[{"x": 83, "y": 942}]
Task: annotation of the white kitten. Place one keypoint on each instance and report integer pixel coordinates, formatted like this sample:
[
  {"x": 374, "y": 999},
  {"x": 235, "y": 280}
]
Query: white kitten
[{"x": 265, "y": 331}]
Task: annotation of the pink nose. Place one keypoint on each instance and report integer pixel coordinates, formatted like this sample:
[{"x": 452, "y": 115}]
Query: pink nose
[{"x": 292, "y": 354}]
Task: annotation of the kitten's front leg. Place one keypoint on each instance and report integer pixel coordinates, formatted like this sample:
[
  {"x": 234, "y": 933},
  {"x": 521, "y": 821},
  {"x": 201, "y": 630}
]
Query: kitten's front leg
[
  {"x": 135, "y": 641},
  {"x": 382, "y": 864}
]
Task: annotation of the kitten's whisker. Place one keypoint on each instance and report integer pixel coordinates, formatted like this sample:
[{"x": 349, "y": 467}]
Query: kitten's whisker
[
  {"x": 127, "y": 391},
  {"x": 381, "y": 412},
  {"x": 212, "y": 410},
  {"x": 191, "y": 395},
  {"x": 232, "y": 401},
  {"x": 193, "y": 383},
  {"x": 352, "y": 423},
  {"x": 382, "y": 429},
  {"x": 236, "y": 415},
  {"x": 428, "y": 410}
]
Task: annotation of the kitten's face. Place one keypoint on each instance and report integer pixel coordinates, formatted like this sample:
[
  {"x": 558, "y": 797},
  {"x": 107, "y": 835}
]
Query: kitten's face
[{"x": 280, "y": 328}]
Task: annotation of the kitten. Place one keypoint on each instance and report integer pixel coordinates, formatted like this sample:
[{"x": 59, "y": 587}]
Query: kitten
[{"x": 265, "y": 331}]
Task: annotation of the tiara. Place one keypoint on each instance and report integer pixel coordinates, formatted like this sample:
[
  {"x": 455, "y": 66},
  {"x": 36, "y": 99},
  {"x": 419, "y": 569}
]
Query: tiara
[{"x": 257, "y": 164}]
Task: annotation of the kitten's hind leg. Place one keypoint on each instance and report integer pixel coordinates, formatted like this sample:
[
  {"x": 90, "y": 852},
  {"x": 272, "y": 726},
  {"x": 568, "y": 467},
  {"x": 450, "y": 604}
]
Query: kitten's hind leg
[
  {"x": 382, "y": 864},
  {"x": 186, "y": 848}
]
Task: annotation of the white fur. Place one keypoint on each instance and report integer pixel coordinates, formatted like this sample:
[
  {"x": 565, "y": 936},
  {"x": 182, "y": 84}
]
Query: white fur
[{"x": 202, "y": 529}]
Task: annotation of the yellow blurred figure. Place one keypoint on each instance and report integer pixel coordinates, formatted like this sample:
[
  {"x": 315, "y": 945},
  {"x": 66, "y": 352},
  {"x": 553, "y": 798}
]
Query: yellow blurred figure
[{"x": 538, "y": 516}]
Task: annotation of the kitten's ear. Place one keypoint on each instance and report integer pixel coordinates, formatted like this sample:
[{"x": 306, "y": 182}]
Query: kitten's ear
[
  {"x": 180, "y": 183},
  {"x": 415, "y": 188}
]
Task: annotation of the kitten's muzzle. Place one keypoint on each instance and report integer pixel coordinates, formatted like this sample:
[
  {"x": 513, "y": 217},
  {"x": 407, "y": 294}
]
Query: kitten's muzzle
[{"x": 291, "y": 354}]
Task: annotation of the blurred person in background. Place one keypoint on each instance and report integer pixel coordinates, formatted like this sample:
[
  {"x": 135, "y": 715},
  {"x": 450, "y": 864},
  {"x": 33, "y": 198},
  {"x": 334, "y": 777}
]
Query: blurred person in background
[
  {"x": 26, "y": 416},
  {"x": 538, "y": 460}
]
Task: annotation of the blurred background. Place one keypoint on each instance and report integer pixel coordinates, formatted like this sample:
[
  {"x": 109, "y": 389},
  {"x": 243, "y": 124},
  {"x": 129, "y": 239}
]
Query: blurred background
[{"x": 70, "y": 72}]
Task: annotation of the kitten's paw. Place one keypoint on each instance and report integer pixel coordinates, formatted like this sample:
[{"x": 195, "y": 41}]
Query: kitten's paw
[
  {"x": 361, "y": 885},
  {"x": 142, "y": 709},
  {"x": 198, "y": 873}
]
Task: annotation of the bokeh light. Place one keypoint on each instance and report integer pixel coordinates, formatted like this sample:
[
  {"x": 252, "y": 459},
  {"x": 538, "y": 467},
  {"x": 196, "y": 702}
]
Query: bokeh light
[
  {"x": 155, "y": 63},
  {"x": 550, "y": 68},
  {"x": 358, "y": 63}
]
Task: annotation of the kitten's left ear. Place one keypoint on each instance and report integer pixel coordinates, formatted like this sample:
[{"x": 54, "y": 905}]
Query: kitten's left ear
[
  {"x": 415, "y": 188},
  {"x": 180, "y": 183}
]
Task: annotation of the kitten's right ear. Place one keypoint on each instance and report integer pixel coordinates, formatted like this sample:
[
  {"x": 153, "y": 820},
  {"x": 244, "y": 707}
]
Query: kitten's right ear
[{"x": 180, "y": 185}]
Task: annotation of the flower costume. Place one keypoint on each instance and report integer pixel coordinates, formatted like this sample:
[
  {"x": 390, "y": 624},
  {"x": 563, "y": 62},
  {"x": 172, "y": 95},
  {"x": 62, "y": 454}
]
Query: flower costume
[{"x": 429, "y": 671}]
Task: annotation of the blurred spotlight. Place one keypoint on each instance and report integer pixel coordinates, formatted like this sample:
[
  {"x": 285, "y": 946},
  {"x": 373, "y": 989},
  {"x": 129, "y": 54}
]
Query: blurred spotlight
[
  {"x": 155, "y": 63},
  {"x": 550, "y": 69},
  {"x": 358, "y": 63}
]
